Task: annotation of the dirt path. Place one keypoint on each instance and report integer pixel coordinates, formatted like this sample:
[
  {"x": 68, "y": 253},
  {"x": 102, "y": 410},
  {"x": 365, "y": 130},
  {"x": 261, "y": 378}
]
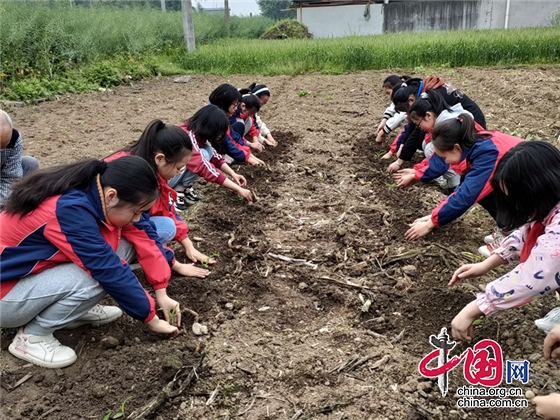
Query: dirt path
[{"x": 280, "y": 333}]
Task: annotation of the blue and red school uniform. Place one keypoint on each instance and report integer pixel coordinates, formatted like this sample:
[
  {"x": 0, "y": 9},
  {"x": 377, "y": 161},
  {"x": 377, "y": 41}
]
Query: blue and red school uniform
[{"x": 70, "y": 228}]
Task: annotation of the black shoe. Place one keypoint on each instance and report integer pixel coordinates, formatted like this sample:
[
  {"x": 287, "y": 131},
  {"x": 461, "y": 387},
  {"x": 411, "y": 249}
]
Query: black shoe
[{"x": 185, "y": 198}]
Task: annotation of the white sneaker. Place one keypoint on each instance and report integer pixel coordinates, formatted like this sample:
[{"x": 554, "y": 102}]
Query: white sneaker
[
  {"x": 45, "y": 351},
  {"x": 96, "y": 316},
  {"x": 487, "y": 249},
  {"x": 550, "y": 319},
  {"x": 494, "y": 235}
]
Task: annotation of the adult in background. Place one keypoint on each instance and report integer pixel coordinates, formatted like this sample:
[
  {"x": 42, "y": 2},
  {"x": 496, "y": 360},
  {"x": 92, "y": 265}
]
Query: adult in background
[{"x": 13, "y": 164}]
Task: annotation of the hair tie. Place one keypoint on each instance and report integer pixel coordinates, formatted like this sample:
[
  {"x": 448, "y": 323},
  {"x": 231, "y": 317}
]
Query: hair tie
[
  {"x": 403, "y": 84},
  {"x": 460, "y": 119},
  {"x": 424, "y": 95},
  {"x": 261, "y": 90},
  {"x": 102, "y": 167},
  {"x": 247, "y": 94}
]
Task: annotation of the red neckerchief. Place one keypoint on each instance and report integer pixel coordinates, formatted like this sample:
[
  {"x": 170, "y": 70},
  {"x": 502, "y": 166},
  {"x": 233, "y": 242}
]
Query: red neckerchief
[{"x": 536, "y": 230}]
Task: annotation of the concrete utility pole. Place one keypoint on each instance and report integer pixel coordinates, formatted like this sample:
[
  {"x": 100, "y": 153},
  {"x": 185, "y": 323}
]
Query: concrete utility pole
[
  {"x": 188, "y": 28},
  {"x": 162, "y": 5},
  {"x": 226, "y": 7}
]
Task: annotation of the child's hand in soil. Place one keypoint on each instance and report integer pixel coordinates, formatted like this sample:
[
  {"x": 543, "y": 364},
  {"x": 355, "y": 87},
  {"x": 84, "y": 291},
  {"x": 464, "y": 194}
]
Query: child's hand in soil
[
  {"x": 548, "y": 406},
  {"x": 551, "y": 347},
  {"x": 269, "y": 140},
  {"x": 256, "y": 145},
  {"x": 420, "y": 227},
  {"x": 387, "y": 155},
  {"x": 240, "y": 180},
  {"x": 246, "y": 194},
  {"x": 168, "y": 305},
  {"x": 161, "y": 327},
  {"x": 462, "y": 324},
  {"x": 380, "y": 137},
  {"x": 253, "y": 160},
  {"x": 195, "y": 255},
  {"x": 189, "y": 270},
  {"x": 394, "y": 167},
  {"x": 405, "y": 177}
]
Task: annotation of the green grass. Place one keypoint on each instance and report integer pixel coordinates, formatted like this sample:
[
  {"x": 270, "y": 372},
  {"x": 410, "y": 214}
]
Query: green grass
[
  {"x": 39, "y": 39},
  {"x": 48, "y": 48},
  {"x": 402, "y": 50}
]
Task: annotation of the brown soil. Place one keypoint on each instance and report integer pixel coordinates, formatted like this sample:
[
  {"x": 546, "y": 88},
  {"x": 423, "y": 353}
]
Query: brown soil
[{"x": 326, "y": 199}]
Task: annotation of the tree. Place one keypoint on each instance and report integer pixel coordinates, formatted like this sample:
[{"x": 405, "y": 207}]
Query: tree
[{"x": 276, "y": 9}]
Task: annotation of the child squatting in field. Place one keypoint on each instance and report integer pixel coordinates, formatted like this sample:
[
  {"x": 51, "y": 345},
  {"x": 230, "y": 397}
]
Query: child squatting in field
[
  {"x": 61, "y": 252},
  {"x": 403, "y": 96},
  {"x": 209, "y": 122},
  {"x": 167, "y": 149},
  {"x": 526, "y": 185}
]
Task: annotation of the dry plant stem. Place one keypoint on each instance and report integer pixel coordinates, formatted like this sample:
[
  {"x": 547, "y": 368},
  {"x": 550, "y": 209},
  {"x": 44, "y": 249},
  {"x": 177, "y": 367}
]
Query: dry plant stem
[
  {"x": 248, "y": 408},
  {"x": 46, "y": 413},
  {"x": 292, "y": 260},
  {"x": 347, "y": 285},
  {"x": 169, "y": 391},
  {"x": 213, "y": 395},
  {"x": 193, "y": 313},
  {"x": 377, "y": 335},
  {"x": 21, "y": 381}
]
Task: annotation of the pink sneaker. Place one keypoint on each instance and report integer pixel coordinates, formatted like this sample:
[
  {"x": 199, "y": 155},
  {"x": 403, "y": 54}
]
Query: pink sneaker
[{"x": 45, "y": 351}]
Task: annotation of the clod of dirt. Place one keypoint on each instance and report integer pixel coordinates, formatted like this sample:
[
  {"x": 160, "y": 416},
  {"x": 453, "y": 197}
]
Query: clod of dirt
[
  {"x": 172, "y": 362},
  {"x": 409, "y": 270},
  {"x": 229, "y": 306},
  {"x": 98, "y": 391},
  {"x": 302, "y": 286},
  {"x": 109, "y": 342},
  {"x": 199, "y": 329}
]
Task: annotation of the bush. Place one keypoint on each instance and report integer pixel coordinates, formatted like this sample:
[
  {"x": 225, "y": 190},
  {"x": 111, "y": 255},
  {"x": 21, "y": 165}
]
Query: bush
[{"x": 287, "y": 29}]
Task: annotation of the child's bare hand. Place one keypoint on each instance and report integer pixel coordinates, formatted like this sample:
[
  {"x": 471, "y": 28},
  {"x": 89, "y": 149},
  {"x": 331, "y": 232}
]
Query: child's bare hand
[
  {"x": 189, "y": 270},
  {"x": 461, "y": 325},
  {"x": 380, "y": 137},
  {"x": 269, "y": 140},
  {"x": 405, "y": 177},
  {"x": 551, "y": 347},
  {"x": 240, "y": 180},
  {"x": 548, "y": 406},
  {"x": 246, "y": 194},
  {"x": 467, "y": 271},
  {"x": 394, "y": 167},
  {"x": 161, "y": 327},
  {"x": 171, "y": 310},
  {"x": 419, "y": 229}
]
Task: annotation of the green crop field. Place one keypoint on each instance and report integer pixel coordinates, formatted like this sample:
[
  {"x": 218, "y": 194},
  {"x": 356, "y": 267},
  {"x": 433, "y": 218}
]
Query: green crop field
[{"x": 49, "y": 48}]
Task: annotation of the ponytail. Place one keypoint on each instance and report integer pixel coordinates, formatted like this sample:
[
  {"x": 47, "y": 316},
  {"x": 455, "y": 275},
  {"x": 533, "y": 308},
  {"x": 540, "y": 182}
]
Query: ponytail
[
  {"x": 460, "y": 130},
  {"x": 429, "y": 101},
  {"x": 158, "y": 137},
  {"x": 132, "y": 177}
]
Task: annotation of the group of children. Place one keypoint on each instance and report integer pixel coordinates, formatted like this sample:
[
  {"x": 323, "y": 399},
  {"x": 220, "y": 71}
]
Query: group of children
[
  {"x": 70, "y": 232},
  {"x": 517, "y": 182}
]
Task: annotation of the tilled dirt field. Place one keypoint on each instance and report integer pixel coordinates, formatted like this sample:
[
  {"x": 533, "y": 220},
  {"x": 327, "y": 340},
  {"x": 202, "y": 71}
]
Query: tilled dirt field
[{"x": 288, "y": 339}]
